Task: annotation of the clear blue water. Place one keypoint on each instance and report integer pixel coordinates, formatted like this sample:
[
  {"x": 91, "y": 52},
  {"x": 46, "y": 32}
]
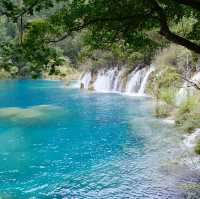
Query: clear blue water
[{"x": 59, "y": 142}]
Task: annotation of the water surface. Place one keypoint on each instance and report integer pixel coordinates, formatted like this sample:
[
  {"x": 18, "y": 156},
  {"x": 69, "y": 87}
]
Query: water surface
[{"x": 59, "y": 142}]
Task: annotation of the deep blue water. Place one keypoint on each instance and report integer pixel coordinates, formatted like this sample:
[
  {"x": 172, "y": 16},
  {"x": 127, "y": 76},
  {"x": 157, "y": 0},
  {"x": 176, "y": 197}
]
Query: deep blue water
[{"x": 59, "y": 142}]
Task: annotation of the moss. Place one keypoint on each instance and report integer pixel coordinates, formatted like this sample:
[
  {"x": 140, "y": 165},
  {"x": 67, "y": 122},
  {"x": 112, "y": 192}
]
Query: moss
[{"x": 197, "y": 147}]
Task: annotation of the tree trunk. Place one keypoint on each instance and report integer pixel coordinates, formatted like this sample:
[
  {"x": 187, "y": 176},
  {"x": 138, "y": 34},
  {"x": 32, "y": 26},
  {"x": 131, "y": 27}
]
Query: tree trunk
[{"x": 181, "y": 41}]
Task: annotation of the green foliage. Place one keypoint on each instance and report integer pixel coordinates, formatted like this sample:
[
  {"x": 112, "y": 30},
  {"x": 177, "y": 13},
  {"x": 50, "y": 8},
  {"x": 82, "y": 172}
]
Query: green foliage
[
  {"x": 167, "y": 95},
  {"x": 189, "y": 105},
  {"x": 127, "y": 29},
  {"x": 4, "y": 74},
  {"x": 162, "y": 81},
  {"x": 111, "y": 21}
]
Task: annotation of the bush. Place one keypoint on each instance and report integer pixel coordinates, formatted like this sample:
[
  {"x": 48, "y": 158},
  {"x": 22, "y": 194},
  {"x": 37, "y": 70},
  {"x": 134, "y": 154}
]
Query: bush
[{"x": 167, "y": 95}]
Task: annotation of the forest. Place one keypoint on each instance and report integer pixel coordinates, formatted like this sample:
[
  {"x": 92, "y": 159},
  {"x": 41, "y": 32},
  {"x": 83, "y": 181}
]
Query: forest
[{"x": 36, "y": 35}]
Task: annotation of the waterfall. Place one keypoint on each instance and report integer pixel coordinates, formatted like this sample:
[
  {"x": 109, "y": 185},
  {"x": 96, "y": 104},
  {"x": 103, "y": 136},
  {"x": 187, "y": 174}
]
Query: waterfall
[
  {"x": 133, "y": 82},
  {"x": 105, "y": 80},
  {"x": 145, "y": 80},
  {"x": 118, "y": 84},
  {"x": 112, "y": 80},
  {"x": 87, "y": 77}
]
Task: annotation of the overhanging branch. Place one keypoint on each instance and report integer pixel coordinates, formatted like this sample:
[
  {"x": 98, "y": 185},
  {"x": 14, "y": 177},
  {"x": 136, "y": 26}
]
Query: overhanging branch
[
  {"x": 105, "y": 19},
  {"x": 166, "y": 32}
]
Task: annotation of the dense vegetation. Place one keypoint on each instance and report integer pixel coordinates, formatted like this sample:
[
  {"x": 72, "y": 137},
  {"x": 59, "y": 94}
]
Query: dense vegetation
[{"x": 36, "y": 32}]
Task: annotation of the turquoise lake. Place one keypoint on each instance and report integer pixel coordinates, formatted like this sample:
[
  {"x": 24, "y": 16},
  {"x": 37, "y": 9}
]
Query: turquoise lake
[{"x": 59, "y": 142}]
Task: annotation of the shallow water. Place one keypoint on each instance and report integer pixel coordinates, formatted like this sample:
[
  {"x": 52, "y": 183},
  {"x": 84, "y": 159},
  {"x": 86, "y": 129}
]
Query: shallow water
[{"x": 58, "y": 142}]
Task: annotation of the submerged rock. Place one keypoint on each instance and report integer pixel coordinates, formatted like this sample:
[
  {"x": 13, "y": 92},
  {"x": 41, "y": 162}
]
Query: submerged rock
[{"x": 29, "y": 115}]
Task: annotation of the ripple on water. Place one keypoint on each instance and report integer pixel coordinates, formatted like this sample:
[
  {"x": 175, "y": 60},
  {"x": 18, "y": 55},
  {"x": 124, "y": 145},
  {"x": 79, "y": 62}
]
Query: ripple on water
[{"x": 85, "y": 145}]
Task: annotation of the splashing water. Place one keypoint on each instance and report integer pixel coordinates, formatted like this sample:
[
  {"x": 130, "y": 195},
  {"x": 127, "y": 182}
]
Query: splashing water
[{"x": 105, "y": 80}]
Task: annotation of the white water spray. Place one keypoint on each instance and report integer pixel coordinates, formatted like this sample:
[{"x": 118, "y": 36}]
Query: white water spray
[
  {"x": 105, "y": 80},
  {"x": 111, "y": 80}
]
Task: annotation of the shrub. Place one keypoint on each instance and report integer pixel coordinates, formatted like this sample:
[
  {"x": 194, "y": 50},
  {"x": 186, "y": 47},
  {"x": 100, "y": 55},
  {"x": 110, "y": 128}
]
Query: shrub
[{"x": 167, "y": 95}]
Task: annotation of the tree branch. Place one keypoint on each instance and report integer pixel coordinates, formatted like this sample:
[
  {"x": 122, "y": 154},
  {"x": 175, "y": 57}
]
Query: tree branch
[
  {"x": 28, "y": 9},
  {"x": 159, "y": 15},
  {"x": 105, "y": 19},
  {"x": 165, "y": 31},
  {"x": 193, "y": 84}
]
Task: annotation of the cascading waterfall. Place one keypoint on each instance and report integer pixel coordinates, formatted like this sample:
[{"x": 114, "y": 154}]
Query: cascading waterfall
[
  {"x": 134, "y": 82},
  {"x": 118, "y": 83},
  {"x": 111, "y": 80},
  {"x": 138, "y": 80},
  {"x": 85, "y": 80},
  {"x": 144, "y": 82},
  {"x": 105, "y": 80}
]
